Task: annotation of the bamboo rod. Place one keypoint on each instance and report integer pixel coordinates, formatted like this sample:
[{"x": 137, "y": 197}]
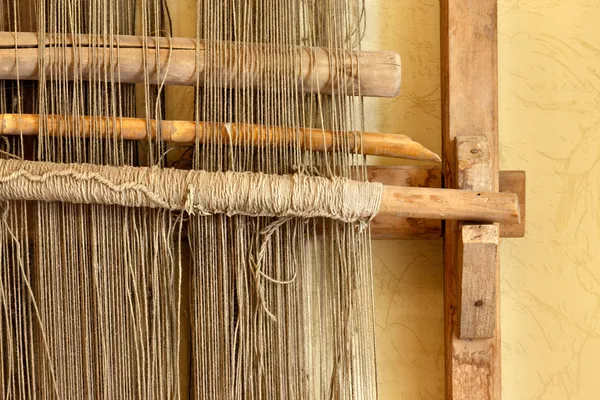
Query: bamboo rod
[
  {"x": 258, "y": 66},
  {"x": 177, "y": 190},
  {"x": 370, "y": 143}
]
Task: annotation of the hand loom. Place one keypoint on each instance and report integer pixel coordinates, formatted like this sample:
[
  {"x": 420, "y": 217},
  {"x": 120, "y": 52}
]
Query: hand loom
[{"x": 227, "y": 254}]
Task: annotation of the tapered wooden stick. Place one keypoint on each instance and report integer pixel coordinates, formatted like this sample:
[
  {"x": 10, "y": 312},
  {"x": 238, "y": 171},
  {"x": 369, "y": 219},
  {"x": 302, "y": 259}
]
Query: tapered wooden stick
[
  {"x": 378, "y": 144},
  {"x": 182, "y": 61},
  {"x": 184, "y": 190}
]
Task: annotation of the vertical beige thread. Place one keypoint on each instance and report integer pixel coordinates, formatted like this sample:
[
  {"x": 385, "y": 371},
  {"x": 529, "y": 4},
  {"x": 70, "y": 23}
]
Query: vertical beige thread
[{"x": 279, "y": 308}]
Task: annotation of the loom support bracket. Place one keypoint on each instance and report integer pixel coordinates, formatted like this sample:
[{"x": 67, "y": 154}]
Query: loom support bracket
[
  {"x": 470, "y": 159},
  {"x": 477, "y": 246},
  {"x": 423, "y": 176}
]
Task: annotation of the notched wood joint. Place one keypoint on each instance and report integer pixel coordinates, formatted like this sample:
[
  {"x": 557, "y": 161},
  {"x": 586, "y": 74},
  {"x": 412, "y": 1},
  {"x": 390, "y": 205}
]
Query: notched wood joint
[{"x": 477, "y": 245}]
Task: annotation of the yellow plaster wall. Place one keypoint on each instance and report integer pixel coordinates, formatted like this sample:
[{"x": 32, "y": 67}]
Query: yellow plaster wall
[
  {"x": 549, "y": 119},
  {"x": 549, "y": 61},
  {"x": 549, "y": 98}
]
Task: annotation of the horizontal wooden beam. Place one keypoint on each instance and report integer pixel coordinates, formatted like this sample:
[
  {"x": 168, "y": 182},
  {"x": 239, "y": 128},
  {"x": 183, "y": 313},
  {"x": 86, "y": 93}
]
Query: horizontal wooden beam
[
  {"x": 423, "y": 176},
  {"x": 183, "y": 61},
  {"x": 449, "y": 204},
  {"x": 176, "y": 189},
  {"x": 188, "y": 132}
]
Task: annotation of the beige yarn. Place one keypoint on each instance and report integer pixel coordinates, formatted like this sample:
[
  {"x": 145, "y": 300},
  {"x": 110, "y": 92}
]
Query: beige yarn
[
  {"x": 101, "y": 301},
  {"x": 197, "y": 192}
]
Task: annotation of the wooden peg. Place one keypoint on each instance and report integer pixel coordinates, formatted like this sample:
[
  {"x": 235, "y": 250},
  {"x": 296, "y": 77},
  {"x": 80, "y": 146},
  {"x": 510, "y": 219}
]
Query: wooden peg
[
  {"x": 477, "y": 256},
  {"x": 514, "y": 182},
  {"x": 394, "y": 228},
  {"x": 477, "y": 245}
]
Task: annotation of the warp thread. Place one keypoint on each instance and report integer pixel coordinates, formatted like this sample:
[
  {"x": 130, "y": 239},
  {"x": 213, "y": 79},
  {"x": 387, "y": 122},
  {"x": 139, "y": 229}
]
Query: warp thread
[{"x": 196, "y": 192}]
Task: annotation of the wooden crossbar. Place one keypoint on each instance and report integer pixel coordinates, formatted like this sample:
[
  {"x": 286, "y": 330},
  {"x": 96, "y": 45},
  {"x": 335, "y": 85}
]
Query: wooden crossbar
[
  {"x": 183, "y": 61},
  {"x": 396, "y": 202},
  {"x": 187, "y": 132}
]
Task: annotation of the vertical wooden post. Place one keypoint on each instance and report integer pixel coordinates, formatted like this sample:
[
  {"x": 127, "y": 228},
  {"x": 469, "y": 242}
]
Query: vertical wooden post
[
  {"x": 469, "y": 107},
  {"x": 477, "y": 249},
  {"x": 476, "y": 286}
]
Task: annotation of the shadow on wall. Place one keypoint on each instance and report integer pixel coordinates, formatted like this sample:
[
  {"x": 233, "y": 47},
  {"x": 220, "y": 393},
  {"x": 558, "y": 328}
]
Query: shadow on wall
[{"x": 408, "y": 275}]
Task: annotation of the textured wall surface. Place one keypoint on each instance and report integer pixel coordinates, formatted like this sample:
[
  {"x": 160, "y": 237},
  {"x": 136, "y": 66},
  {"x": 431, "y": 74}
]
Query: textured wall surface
[
  {"x": 549, "y": 118},
  {"x": 408, "y": 274},
  {"x": 549, "y": 94}
]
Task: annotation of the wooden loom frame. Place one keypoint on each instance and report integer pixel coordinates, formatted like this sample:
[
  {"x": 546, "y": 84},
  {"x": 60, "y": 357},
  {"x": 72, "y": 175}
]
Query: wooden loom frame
[{"x": 470, "y": 161}]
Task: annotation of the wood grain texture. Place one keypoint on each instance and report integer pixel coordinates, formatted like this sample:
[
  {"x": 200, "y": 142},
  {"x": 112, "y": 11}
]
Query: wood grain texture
[
  {"x": 473, "y": 163},
  {"x": 469, "y": 107},
  {"x": 477, "y": 248},
  {"x": 188, "y": 132},
  {"x": 514, "y": 182},
  {"x": 448, "y": 204},
  {"x": 405, "y": 228},
  {"x": 309, "y": 69},
  {"x": 393, "y": 228},
  {"x": 477, "y": 254}
]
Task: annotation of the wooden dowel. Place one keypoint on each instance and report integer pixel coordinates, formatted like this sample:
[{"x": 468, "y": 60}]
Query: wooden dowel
[
  {"x": 394, "y": 228},
  {"x": 378, "y": 144},
  {"x": 237, "y": 65},
  {"x": 174, "y": 189},
  {"x": 449, "y": 204}
]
